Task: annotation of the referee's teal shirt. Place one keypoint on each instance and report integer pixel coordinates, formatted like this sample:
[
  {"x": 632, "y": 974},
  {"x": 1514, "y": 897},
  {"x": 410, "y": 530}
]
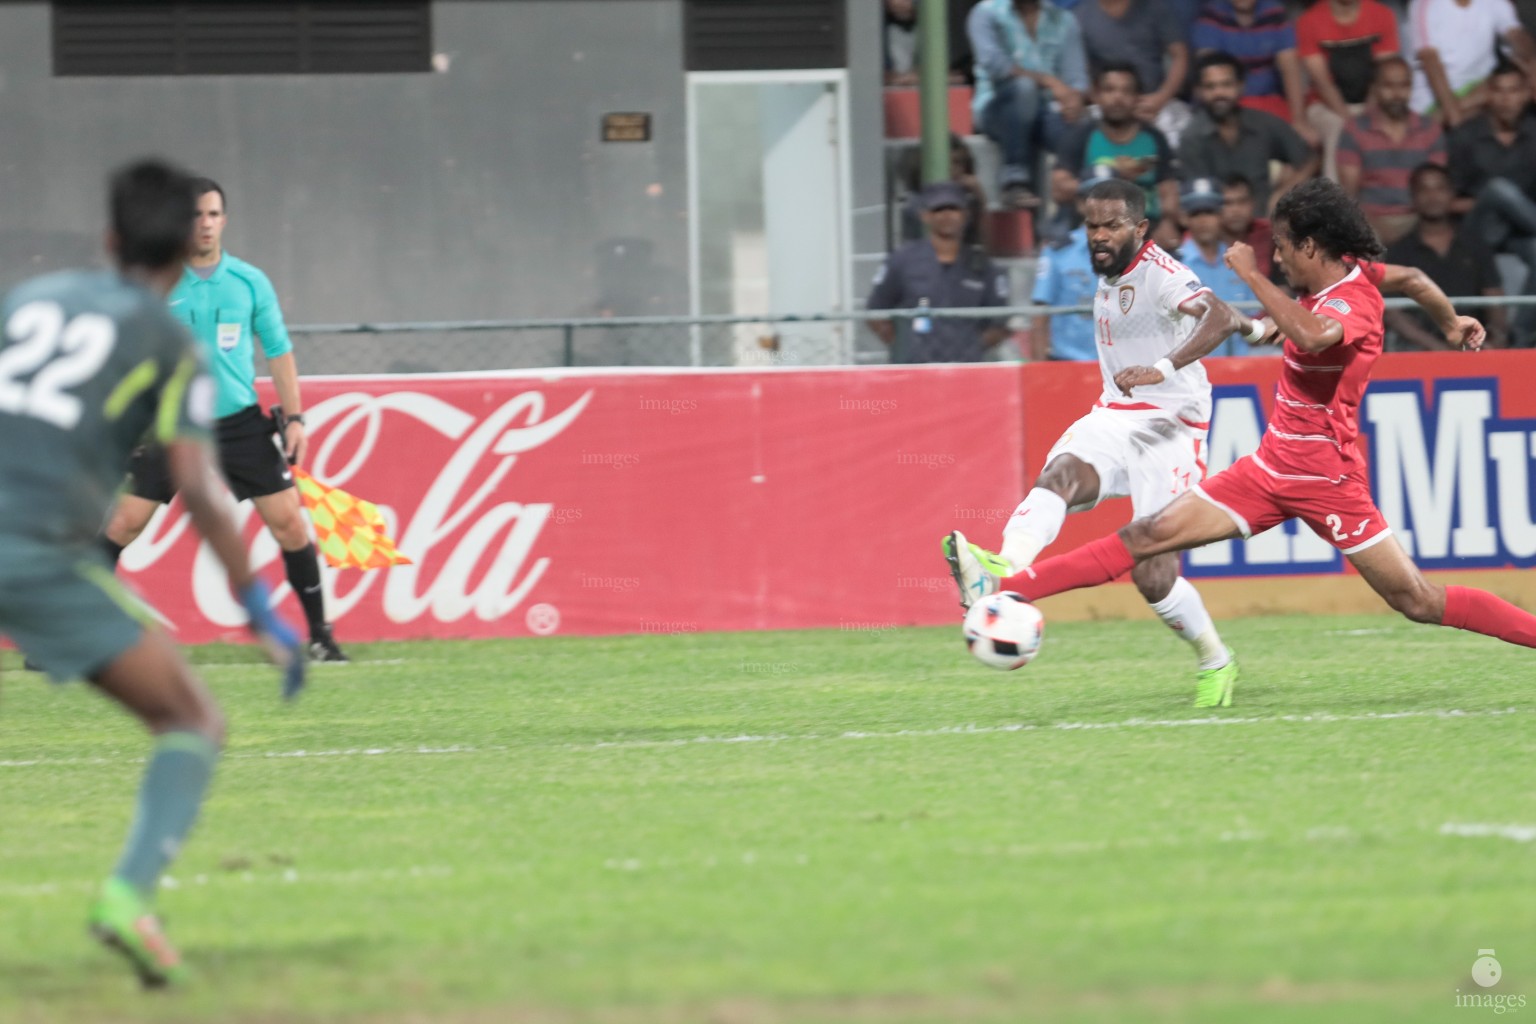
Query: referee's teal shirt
[{"x": 223, "y": 313}]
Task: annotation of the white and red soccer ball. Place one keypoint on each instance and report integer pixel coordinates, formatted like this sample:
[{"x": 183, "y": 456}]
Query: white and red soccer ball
[{"x": 1004, "y": 631}]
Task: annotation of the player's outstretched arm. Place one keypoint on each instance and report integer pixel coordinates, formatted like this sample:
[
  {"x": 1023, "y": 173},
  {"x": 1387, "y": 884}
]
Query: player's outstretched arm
[
  {"x": 196, "y": 478},
  {"x": 1215, "y": 321},
  {"x": 1461, "y": 331},
  {"x": 1307, "y": 331}
]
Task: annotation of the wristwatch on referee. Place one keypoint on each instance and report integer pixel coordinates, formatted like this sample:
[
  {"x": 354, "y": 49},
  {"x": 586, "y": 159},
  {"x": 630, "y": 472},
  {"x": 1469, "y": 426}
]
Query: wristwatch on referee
[{"x": 282, "y": 419}]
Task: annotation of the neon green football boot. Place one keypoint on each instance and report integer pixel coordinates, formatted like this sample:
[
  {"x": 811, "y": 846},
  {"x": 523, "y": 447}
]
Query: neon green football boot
[
  {"x": 1214, "y": 686},
  {"x": 123, "y": 921},
  {"x": 975, "y": 569}
]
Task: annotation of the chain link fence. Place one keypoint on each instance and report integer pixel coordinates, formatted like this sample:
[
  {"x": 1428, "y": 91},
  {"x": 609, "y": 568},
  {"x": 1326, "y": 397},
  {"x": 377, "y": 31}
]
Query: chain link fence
[
  {"x": 635, "y": 342},
  {"x": 831, "y": 339}
]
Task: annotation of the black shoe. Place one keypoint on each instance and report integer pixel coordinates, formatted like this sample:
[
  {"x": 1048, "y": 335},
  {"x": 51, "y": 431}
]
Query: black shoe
[
  {"x": 322, "y": 647},
  {"x": 31, "y": 666}
]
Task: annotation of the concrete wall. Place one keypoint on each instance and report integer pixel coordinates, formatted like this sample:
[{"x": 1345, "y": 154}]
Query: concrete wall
[{"x": 479, "y": 191}]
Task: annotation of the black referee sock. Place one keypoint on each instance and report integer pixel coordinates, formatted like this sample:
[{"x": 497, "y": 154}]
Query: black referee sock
[
  {"x": 303, "y": 567},
  {"x": 113, "y": 549}
]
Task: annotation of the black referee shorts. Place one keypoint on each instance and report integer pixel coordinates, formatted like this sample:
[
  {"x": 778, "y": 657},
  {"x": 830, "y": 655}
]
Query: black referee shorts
[{"x": 250, "y": 455}]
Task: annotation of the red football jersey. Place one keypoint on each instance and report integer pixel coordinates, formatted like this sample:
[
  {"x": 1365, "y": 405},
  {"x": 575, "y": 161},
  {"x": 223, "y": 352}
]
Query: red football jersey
[{"x": 1316, "y": 421}]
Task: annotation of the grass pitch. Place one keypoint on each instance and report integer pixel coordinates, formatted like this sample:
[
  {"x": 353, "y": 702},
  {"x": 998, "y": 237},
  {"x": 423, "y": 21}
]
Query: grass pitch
[{"x": 807, "y": 827}]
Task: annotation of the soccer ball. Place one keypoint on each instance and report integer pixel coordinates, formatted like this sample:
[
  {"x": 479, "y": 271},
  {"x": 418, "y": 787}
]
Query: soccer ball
[{"x": 1004, "y": 631}]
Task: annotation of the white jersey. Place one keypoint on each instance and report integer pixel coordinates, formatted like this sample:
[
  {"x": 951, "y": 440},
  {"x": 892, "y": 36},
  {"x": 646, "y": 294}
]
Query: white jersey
[{"x": 1138, "y": 319}]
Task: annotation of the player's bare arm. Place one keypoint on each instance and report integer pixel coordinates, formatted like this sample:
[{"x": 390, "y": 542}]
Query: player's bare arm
[
  {"x": 1308, "y": 331},
  {"x": 197, "y": 479},
  {"x": 285, "y": 379},
  {"x": 1215, "y": 320},
  {"x": 1460, "y": 331}
]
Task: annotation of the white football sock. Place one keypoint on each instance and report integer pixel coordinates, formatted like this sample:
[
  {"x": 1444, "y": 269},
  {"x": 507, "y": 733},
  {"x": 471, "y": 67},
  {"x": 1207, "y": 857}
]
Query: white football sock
[
  {"x": 1185, "y": 614},
  {"x": 1033, "y": 525}
]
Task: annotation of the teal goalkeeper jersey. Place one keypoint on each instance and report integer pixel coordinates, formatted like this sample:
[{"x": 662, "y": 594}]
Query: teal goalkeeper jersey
[
  {"x": 89, "y": 363},
  {"x": 226, "y": 313}
]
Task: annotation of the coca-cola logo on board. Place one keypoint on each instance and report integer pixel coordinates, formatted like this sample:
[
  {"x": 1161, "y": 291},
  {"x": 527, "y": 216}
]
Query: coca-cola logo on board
[{"x": 472, "y": 547}]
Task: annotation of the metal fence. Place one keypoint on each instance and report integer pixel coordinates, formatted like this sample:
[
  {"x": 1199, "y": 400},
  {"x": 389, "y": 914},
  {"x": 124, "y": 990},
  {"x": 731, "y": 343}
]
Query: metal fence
[{"x": 824, "y": 339}]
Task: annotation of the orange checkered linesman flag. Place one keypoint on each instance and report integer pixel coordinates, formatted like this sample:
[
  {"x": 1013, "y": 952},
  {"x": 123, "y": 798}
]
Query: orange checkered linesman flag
[{"x": 350, "y": 530}]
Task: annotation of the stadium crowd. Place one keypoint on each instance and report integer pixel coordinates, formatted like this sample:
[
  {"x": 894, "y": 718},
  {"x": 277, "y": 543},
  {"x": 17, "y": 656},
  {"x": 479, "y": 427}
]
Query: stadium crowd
[{"x": 1423, "y": 112}]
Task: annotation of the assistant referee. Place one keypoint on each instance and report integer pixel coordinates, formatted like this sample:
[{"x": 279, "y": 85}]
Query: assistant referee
[{"x": 229, "y": 304}]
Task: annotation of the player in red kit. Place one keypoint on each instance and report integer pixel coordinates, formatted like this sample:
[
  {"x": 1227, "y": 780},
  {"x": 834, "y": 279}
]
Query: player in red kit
[{"x": 1308, "y": 465}]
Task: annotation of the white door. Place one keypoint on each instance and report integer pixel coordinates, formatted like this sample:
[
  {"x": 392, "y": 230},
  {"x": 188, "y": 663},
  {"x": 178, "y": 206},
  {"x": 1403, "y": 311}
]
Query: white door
[{"x": 769, "y": 225}]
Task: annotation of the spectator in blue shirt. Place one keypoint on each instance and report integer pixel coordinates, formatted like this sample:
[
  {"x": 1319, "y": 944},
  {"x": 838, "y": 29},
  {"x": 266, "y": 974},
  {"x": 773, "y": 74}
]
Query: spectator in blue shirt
[
  {"x": 1031, "y": 74},
  {"x": 1202, "y": 252},
  {"x": 1064, "y": 276}
]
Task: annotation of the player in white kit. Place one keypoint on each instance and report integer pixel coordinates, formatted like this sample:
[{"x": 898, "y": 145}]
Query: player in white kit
[{"x": 1149, "y": 445}]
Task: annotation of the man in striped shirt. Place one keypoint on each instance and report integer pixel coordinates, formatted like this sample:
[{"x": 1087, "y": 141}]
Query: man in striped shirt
[
  {"x": 1260, "y": 34},
  {"x": 1380, "y": 148}
]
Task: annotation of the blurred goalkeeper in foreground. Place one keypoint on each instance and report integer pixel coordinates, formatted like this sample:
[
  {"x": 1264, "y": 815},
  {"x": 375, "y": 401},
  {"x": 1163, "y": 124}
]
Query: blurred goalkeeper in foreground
[{"x": 90, "y": 363}]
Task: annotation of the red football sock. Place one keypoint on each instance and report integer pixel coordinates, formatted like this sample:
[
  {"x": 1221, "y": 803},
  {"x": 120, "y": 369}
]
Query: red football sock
[
  {"x": 1087, "y": 566},
  {"x": 1482, "y": 612}
]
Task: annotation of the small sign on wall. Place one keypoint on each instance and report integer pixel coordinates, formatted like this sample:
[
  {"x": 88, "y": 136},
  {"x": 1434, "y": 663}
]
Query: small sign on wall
[{"x": 626, "y": 127}]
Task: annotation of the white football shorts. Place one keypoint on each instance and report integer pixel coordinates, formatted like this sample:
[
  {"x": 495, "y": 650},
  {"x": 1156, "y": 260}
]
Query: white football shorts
[{"x": 1150, "y": 457}]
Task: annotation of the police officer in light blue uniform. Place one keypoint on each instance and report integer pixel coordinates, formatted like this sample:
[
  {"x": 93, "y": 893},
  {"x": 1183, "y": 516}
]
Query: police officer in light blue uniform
[
  {"x": 939, "y": 272},
  {"x": 1064, "y": 276},
  {"x": 1204, "y": 252},
  {"x": 229, "y": 306}
]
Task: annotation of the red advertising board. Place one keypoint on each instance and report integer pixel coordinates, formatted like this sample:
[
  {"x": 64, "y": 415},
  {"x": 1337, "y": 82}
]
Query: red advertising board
[
  {"x": 613, "y": 502},
  {"x": 1448, "y": 437},
  {"x": 593, "y": 502}
]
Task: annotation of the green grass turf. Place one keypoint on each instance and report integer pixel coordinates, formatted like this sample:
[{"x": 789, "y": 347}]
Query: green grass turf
[{"x": 535, "y": 831}]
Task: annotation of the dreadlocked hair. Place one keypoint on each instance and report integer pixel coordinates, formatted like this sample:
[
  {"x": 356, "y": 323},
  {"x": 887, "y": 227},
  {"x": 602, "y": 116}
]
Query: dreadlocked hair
[{"x": 1320, "y": 210}]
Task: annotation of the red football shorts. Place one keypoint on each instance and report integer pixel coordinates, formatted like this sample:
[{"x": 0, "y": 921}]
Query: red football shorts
[{"x": 1257, "y": 498}]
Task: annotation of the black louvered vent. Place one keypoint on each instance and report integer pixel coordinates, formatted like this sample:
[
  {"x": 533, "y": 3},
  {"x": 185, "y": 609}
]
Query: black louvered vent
[
  {"x": 733, "y": 35},
  {"x": 241, "y": 37}
]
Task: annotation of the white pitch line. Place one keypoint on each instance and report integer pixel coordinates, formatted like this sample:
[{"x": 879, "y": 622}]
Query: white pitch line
[
  {"x": 323, "y": 666},
  {"x": 366, "y": 876},
  {"x": 984, "y": 730},
  {"x": 852, "y": 734},
  {"x": 286, "y": 876},
  {"x": 264, "y": 755},
  {"x": 1478, "y": 830},
  {"x": 362, "y": 752}
]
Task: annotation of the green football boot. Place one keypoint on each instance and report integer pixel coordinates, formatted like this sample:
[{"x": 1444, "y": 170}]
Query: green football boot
[
  {"x": 1214, "y": 686},
  {"x": 125, "y": 922},
  {"x": 975, "y": 569}
]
